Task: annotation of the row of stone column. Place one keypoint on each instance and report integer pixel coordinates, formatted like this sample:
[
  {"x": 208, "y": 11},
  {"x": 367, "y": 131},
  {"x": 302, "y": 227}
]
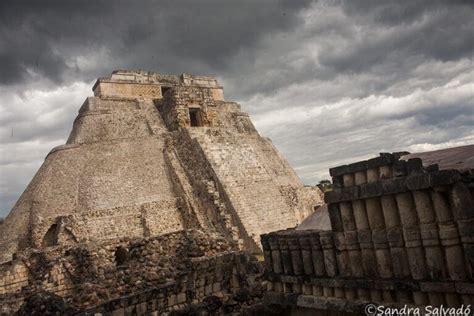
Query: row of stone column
[
  {"x": 423, "y": 234},
  {"x": 323, "y": 256},
  {"x": 301, "y": 254},
  {"x": 391, "y": 221}
]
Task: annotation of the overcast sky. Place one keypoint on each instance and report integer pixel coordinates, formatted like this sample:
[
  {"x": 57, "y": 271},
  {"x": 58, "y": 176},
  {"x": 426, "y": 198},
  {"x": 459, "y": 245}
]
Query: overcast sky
[{"x": 330, "y": 82}]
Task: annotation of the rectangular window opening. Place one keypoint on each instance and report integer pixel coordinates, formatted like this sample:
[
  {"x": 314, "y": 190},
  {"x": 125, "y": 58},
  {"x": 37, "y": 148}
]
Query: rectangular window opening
[
  {"x": 164, "y": 90},
  {"x": 194, "y": 117}
]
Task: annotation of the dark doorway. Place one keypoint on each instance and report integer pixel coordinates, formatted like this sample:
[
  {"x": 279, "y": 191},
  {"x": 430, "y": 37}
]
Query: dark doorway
[
  {"x": 51, "y": 237},
  {"x": 164, "y": 90},
  {"x": 121, "y": 256},
  {"x": 195, "y": 117}
]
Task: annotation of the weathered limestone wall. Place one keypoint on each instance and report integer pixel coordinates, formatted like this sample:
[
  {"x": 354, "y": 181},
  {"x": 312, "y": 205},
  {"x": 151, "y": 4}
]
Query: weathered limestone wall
[
  {"x": 88, "y": 273},
  {"x": 303, "y": 200},
  {"x": 257, "y": 181},
  {"x": 216, "y": 206},
  {"x": 13, "y": 277},
  {"x": 212, "y": 285},
  {"x": 143, "y": 220},
  {"x": 401, "y": 234},
  {"x": 251, "y": 178},
  {"x": 142, "y": 84},
  {"x": 174, "y": 108},
  {"x": 90, "y": 179},
  {"x": 128, "y": 90},
  {"x": 113, "y": 119}
]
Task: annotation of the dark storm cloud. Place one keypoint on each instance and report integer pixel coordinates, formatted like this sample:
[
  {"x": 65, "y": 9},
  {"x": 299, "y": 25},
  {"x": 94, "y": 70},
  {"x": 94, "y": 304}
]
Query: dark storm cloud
[
  {"x": 46, "y": 36},
  {"x": 32, "y": 32},
  {"x": 440, "y": 30},
  {"x": 330, "y": 81},
  {"x": 397, "y": 12}
]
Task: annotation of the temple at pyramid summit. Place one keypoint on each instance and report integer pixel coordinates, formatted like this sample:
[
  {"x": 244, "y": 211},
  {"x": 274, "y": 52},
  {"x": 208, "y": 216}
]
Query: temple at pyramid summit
[{"x": 152, "y": 154}]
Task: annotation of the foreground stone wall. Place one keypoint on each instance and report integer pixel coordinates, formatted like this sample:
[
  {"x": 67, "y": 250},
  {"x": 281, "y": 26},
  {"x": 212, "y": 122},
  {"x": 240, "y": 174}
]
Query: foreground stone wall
[
  {"x": 90, "y": 274},
  {"x": 401, "y": 234},
  {"x": 221, "y": 284}
]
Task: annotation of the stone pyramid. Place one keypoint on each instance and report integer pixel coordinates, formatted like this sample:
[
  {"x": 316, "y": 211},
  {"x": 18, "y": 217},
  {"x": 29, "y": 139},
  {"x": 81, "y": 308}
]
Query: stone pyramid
[{"x": 151, "y": 154}]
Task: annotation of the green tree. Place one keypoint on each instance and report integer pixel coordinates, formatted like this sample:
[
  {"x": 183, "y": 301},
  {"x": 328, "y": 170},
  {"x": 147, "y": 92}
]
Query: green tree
[{"x": 325, "y": 185}]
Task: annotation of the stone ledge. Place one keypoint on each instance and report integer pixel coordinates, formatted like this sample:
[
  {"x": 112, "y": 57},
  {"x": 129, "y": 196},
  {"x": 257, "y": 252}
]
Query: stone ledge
[
  {"x": 385, "y": 159},
  {"x": 313, "y": 302},
  {"x": 394, "y": 284},
  {"x": 412, "y": 182}
]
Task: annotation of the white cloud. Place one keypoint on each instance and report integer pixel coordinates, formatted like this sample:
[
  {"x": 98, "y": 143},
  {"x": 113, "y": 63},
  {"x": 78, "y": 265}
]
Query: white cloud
[
  {"x": 40, "y": 114},
  {"x": 32, "y": 124}
]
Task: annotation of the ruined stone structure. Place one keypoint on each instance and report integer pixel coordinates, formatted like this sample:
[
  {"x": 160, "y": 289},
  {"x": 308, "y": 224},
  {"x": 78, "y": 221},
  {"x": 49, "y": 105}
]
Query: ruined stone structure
[
  {"x": 138, "y": 276},
  {"x": 150, "y": 156},
  {"x": 157, "y": 202},
  {"x": 402, "y": 233}
]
